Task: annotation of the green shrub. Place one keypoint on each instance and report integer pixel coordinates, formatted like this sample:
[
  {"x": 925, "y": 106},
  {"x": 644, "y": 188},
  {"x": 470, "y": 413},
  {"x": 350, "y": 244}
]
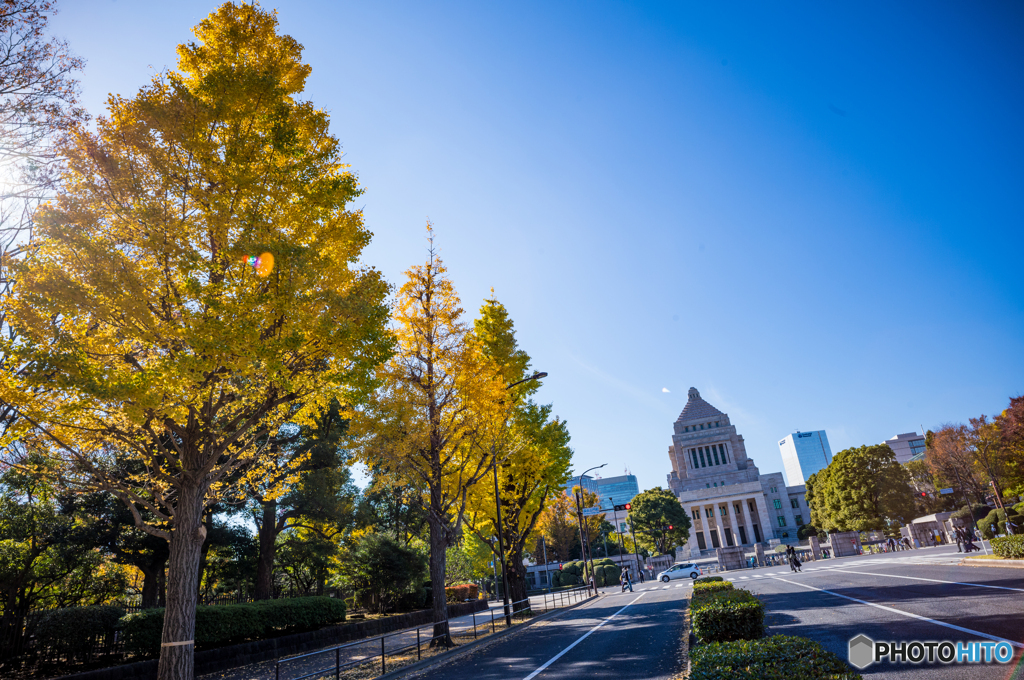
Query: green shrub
[
  {"x": 1011, "y": 514},
  {"x": 218, "y": 625},
  {"x": 461, "y": 593},
  {"x": 72, "y": 630},
  {"x": 1010, "y": 547},
  {"x": 1019, "y": 508},
  {"x": 708, "y": 579},
  {"x": 712, "y": 586},
  {"x": 780, "y": 657},
  {"x": 726, "y": 616},
  {"x": 989, "y": 525}
]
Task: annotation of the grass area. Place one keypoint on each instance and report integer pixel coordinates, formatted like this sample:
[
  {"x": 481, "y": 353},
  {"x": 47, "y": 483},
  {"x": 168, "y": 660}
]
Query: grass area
[{"x": 983, "y": 557}]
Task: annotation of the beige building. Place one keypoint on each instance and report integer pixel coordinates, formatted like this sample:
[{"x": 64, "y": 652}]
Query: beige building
[{"x": 729, "y": 501}]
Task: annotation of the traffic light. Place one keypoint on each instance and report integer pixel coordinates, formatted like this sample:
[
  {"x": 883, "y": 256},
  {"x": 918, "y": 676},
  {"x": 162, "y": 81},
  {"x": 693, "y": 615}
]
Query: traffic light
[
  {"x": 620, "y": 508},
  {"x": 923, "y": 493},
  {"x": 670, "y": 527}
]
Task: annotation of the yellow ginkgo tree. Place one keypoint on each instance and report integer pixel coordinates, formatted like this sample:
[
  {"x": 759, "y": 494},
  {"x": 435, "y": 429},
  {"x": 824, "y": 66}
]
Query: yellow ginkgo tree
[
  {"x": 429, "y": 420},
  {"x": 195, "y": 285}
]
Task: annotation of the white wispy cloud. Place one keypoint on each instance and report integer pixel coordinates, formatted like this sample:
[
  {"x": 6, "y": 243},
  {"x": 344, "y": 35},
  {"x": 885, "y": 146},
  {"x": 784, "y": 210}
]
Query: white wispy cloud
[{"x": 665, "y": 390}]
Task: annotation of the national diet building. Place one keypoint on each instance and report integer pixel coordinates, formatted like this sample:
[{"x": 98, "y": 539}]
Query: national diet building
[{"x": 729, "y": 501}]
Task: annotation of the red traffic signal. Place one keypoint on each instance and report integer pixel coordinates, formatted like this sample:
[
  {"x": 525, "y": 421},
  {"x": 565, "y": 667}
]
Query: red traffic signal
[
  {"x": 627, "y": 506},
  {"x": 670, "y": 527},
  {"x": 923, "y": 493},
  {"x": 559, "y": 566}
]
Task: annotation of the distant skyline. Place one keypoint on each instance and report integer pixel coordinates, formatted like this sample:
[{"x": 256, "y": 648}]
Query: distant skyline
[{"x": 809, "y": 212}]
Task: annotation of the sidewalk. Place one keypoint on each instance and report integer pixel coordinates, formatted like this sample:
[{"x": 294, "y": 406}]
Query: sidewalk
[{"x": 371, "y": 647}]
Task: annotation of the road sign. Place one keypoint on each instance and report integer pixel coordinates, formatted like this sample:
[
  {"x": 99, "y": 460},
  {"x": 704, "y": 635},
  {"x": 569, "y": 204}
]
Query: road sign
[
  {"x": 946, "y": 490},
  {"x": 589, "y": 512}
]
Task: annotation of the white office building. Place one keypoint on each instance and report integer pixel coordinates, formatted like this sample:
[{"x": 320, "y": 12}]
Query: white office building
[
  {"x": 803, "y": 454},
  {"x": 907, "y": 446}
]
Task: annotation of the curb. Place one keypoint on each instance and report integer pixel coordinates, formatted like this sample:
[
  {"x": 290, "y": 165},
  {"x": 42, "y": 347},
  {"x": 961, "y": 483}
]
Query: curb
[
  {"x": 430, "y": 664},
  {"x": 972, "y": 562}
]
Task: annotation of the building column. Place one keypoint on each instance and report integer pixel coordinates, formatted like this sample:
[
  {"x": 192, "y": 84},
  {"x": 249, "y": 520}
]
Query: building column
[
  {"x": 767, "y": 521},
  {"x": 747, "y": 523},
  {"x": 694, "y": 545}
]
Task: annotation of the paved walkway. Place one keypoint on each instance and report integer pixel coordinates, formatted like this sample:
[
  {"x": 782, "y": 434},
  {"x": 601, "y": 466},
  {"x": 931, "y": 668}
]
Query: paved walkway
[{"x": 365, "y": 650}]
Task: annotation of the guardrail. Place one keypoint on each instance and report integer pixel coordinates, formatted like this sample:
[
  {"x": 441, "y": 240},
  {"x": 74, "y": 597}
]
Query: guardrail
[{"x": 305, "y": 661}]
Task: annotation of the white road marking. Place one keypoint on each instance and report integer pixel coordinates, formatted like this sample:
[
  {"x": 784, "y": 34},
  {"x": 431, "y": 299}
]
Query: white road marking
[
  {"x": 558, "y": 656},
  {"x": 679, "y": 586},
  {"x": 1019, "y": 645},
  {"x": 934, "y": 580},
  {"x": 666, "y": 587}
]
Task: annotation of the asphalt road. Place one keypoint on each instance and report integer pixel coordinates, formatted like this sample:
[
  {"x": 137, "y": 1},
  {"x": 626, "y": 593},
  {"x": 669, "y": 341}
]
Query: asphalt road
[
  {"x": 920, "y": 590},
  {"x": 903, "y": 596},
  {"x": 619, "y": 635}
]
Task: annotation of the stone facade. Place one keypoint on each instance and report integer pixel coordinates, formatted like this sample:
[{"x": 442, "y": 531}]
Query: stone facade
[{"x": 729, "y": 501}]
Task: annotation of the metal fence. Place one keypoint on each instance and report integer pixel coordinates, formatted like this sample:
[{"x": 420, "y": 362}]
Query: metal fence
[{"x": 373, "y": 652}]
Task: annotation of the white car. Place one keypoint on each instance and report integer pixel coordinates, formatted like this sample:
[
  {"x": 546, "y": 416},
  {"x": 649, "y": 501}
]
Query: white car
[{"x": 679, "y": 571}]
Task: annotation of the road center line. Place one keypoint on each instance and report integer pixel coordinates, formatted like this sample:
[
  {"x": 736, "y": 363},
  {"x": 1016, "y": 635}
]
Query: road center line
[
  {"x": 903, "y": 613},
  {"x": 934, "y": 580},
  {"x": 558, "y": 656}
]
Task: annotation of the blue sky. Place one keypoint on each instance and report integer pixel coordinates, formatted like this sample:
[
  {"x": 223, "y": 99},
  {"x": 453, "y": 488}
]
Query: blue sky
[{"x": 810, "y": 212}]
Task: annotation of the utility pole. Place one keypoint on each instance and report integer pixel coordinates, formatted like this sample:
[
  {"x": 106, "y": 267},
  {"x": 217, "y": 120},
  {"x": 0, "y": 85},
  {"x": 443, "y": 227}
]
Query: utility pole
[{"x": 547, "y": 576}]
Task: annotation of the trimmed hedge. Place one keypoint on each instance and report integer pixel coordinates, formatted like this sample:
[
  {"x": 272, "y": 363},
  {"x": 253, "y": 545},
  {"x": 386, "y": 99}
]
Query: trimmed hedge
[
  {"x": 70, "y": 631},
  {"x": 708, "y": 579},
  {"x": 712, "y": 586},
  {"x": 1010, "y": 547},
  {"x": 461, "y": 593},
  {"x": 218, "y": 625},
  {"x": 727, "y": 615},
  {"x": 780, "y": 657}
]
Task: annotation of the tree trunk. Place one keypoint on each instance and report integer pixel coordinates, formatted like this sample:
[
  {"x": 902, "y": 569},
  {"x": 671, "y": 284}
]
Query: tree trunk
[
  {"x": 153, "y": 594},
  {"x": 161, "y": 579},
  {"x": 517, "y": 581},
  {"x": 268, "y": 548},
  {"x": 177, "y": 644},
  {"x": 438, "y": 546},
  {"x": 204, "y": 552}
]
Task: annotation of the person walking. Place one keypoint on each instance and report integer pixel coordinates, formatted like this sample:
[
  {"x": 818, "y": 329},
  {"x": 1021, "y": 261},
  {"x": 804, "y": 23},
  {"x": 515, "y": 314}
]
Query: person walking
[
  {"x": 626, "y": 583},
  {"x": 959, "y": 539}
]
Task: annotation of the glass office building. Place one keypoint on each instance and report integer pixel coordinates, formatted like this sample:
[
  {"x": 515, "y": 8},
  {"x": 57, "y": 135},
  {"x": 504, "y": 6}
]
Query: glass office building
[
  {"x": 611, "y": 490},
  {"x": 803, "y": 454},
  {"x": 589, "y": 483},
  {"x": 617, "y": 490}
]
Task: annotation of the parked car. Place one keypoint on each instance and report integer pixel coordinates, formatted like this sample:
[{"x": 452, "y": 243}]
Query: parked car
[{"x": 679, "y": 571}]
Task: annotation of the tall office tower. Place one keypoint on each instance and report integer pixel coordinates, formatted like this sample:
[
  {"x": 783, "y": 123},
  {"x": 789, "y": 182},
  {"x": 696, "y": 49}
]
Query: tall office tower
[
  {"x": 617, "y": 490},
  {"x": 803, "y": 454}
]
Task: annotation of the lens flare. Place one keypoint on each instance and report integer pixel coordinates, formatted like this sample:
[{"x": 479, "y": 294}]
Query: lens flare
[{"x": 264, "y": 265}]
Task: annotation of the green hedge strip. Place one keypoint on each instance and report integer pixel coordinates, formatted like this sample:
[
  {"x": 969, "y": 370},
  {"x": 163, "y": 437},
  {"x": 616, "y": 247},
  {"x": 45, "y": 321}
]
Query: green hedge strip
[
  {"x": 1010, "y": 547},
  {"x": 72, "y": 630},
  {"x": 726, "y": 615},
  {"x": 709, "y": 579},
  {"x": 218, "y": 625},
  {"x": 780, "y": 657},
  {"x": 712, "y": 586}
]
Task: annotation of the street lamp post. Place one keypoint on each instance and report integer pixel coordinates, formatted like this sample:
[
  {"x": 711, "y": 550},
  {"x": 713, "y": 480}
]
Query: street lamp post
[
  {"x": 583, "y": 544},
  {"x": 497, "y": 511}
]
